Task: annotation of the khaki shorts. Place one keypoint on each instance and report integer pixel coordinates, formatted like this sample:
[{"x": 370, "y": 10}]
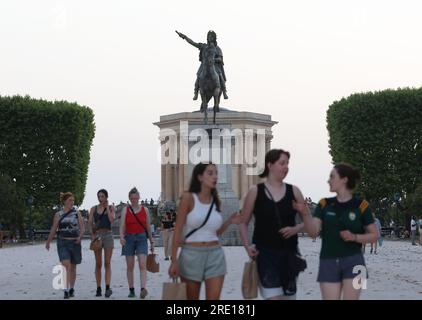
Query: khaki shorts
[
  {"x": 107, "y": 238},
  {"x": 201, "y": 263}
]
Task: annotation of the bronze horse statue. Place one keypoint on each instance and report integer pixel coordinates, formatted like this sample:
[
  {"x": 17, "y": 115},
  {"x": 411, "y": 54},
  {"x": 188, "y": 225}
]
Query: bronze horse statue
[
  {"x": 209, "y": 85},
  {"x": 211, "y": 79}
]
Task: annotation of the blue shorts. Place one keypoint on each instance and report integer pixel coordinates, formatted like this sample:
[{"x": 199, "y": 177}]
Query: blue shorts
[
  {"x": 136, "y": 244},
  {"x": 337, "y": 269},
  {"x": 69, "y": 250},
  {"x": 275, "y": 276}
]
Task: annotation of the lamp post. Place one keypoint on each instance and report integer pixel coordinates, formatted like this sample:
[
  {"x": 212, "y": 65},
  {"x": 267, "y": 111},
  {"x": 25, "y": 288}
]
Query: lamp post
[{"x": 30, "y": 201}]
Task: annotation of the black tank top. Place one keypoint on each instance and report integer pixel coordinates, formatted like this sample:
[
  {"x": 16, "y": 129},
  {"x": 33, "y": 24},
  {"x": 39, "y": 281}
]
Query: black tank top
[
  {"x": 266, "y": 223},
  {"x": 103, "y": 218}
]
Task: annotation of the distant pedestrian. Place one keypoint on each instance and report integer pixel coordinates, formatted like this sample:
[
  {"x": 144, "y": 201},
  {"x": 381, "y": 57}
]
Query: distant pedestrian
[
  {"x": 413, "y": 228},
  {"x": 420, "y": 230},
  {"x": 374, "y": 245}
]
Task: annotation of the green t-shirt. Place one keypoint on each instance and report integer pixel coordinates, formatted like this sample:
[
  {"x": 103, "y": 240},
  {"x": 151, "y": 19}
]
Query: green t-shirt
[{"x": 352, "y": 215}]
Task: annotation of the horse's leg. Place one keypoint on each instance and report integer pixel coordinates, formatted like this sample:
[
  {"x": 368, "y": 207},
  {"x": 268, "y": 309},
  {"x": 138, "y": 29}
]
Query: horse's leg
[
  {"x": 204, "y": 104},
  {"x": 217, "y": 98},
  {"x": 217, "y": 95}
]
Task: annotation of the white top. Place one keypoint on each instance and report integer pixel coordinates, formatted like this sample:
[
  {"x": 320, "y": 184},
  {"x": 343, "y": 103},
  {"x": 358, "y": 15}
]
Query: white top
[
  {"x": 413, "y": 225},
  {"x": 197, "y": 216}
]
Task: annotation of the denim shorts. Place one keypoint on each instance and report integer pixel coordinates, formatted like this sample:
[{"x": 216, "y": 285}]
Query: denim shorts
[
  {"x": 69, "y": 250},
  {"x": 275, "y": 276},
  {"x": 337, "y": 269},
  {"x": 201, "y": 263},
  {"x": 136, "y": 244}
]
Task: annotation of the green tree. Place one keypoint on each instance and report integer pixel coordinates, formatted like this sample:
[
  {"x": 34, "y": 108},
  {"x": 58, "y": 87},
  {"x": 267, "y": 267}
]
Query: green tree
[
  {"x": 45, "y": 148},
  {"x": 11, "y": 205},
  {"x": 380, "y": 133}
]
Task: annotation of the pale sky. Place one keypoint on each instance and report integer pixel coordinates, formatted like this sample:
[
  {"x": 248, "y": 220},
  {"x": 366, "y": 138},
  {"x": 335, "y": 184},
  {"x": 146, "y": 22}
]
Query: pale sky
[{"x": 290, "y": 59}]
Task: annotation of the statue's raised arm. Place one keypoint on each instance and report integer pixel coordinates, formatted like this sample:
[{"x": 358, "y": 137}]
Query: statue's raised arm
[{"x": 181, "y": 35}]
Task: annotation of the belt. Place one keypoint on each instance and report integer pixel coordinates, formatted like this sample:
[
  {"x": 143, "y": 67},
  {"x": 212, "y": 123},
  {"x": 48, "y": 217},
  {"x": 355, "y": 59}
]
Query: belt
[
  {"x": 203, "y": 244},
  {"x": 103, "y": 230}
]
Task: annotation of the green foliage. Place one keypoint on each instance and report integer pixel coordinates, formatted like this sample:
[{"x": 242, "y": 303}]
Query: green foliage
[
  {"x": 11, "y": 204},
  {"x": 45, "y": 147},
  {"x": 413, "y": 203},
  {"x": 381, "y": 134}
]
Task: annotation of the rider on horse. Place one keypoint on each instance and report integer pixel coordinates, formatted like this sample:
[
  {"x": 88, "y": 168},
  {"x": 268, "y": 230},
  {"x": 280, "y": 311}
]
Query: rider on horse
[{"x": 211, "y": 46}]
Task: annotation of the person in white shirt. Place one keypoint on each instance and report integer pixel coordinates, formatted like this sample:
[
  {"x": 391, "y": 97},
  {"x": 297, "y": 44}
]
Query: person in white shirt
[
  {"x": 379, "y": 236},
  {"x": 413, "y": 227},
  {"x": 199, "y": 215}
]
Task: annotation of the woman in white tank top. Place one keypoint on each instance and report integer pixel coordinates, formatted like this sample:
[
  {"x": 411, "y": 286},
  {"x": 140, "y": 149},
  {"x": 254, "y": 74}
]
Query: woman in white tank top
[{"x": 201, "y": 257}]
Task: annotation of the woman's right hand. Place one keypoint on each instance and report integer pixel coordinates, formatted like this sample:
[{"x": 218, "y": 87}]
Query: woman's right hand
[
  {"x": 174, "y": 269},
  {"x": 252, "y": 252},
  {"x": 122, "y": 241},
  {"x": 47, "y": 245}
]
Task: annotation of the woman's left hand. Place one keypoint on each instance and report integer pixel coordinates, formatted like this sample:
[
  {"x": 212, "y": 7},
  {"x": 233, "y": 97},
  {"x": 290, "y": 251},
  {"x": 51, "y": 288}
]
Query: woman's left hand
[
  {"x": 78, "y": 241},
  {"x": 288, "y": 232},
  {"x": 236, "y": 218},
  {"x": 346, "y": 235}
]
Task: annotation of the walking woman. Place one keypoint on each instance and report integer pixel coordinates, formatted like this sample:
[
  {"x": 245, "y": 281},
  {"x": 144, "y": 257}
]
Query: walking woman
[
  {"x": 167, "y": 225},
  {"x": 100, "y": 219},
  {"x": 274, "y": 205},
  {"x": 134, "y": 231},
  {"x": 346, "y": 223},
  {"x": 69, "y": 225},
  {"x": 198, "y": 225}
]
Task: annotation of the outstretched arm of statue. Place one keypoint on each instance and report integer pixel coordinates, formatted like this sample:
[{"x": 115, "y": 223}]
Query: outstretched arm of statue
[{"x": 181, "y": 35}]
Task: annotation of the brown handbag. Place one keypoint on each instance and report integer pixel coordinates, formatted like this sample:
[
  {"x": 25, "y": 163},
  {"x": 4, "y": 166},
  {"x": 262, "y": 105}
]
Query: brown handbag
[
  {"x": 250, "y": 280},
  {"x": 96, "y": 244},
  {"x": 174, "y": 290},
  {"x": 152, "y": 264}
]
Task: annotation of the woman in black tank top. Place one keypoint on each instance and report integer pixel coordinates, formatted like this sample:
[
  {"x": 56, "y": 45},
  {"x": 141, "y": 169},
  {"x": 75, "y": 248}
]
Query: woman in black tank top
[
  {"x": 274, "y": 205},
  {"x": 100, "y": 220}
]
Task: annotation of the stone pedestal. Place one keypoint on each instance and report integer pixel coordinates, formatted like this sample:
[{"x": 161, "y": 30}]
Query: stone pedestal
[{"x": 235, "y": 144}]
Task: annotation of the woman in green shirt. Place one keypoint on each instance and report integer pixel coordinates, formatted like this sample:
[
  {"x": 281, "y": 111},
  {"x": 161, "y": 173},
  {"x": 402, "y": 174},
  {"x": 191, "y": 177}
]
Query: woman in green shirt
[{"x": 344, "y": 223}]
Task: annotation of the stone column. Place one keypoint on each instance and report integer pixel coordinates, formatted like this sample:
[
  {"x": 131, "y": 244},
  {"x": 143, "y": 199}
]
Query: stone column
[
  {"x": 163, "y": 182},
  {"x": 169, "y": 183}
]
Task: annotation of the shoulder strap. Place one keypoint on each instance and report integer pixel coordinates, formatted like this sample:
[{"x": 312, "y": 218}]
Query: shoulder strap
[
  {"x": 65, "y": 215},
  {"x": 289, "y": 191},
  {"x": 203, "y": 223},
  {"x": 139, "y": 221},
  {"x": 277, "y": 213}
]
